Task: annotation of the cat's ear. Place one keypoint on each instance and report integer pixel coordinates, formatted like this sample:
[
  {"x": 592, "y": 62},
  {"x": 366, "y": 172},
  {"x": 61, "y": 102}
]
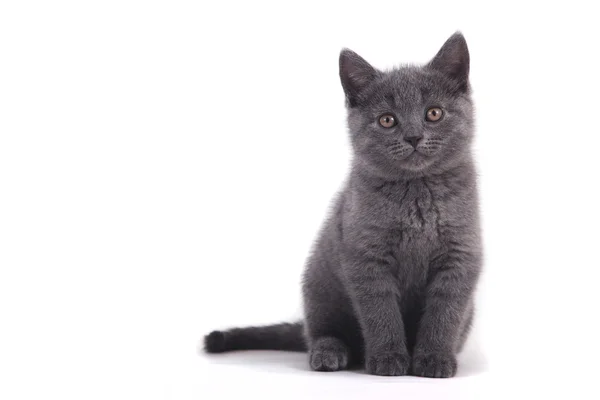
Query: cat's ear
[
  {"x": 453, "y": 60},
  {"x": 355, "y": 74}
]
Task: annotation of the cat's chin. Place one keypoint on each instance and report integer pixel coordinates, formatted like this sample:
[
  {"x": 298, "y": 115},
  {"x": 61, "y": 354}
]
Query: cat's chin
[
  {"x": 416, "y": 162},
  {"x": 413, "y": 166}
]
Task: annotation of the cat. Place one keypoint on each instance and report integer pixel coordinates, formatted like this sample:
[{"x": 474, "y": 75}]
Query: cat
[{"x": 390, "y": 281}]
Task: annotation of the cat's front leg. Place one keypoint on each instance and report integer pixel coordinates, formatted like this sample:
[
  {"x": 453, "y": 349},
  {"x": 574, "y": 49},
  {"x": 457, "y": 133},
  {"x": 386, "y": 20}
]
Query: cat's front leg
[
  {"x": 374, "y": 296},
  {"x": 448, "y": 298}
]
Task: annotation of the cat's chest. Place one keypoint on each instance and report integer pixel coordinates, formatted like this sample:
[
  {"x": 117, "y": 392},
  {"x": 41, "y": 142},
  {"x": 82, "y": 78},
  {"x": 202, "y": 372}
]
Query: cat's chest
[
  {"x": 413, "y": 222},
  {"x": 401, "y": 219},
  {"x": 410, "y": 215},
  {"x": 411, "y": 209}
]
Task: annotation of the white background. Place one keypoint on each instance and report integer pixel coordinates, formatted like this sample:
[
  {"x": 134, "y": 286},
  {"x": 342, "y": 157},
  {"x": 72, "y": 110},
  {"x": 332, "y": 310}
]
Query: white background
[{"x": 164, "y": 167}]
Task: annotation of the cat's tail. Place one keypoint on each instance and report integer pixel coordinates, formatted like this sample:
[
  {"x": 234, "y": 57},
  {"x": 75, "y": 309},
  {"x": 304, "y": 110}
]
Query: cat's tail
[{"x": 283, "y": 336}]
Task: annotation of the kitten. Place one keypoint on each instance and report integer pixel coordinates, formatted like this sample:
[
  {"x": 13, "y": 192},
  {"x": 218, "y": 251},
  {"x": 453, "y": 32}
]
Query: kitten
[{"x": 390, "y": 280}]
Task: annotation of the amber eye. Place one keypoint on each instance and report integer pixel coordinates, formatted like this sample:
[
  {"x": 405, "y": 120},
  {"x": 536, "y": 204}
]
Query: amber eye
[
  {"x": 434, "y": 114},
  {"x": 387, "y": 120}
]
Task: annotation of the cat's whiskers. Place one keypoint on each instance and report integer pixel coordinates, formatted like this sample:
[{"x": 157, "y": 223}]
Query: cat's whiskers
[{"x": 400, "y": 151}]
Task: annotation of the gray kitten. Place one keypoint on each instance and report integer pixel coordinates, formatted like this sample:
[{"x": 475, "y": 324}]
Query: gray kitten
[{"x": 390, "y": 281}]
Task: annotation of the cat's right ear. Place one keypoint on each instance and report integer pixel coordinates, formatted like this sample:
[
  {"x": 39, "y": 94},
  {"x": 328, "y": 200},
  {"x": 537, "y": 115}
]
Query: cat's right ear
[{"x": 355, "y": 74}]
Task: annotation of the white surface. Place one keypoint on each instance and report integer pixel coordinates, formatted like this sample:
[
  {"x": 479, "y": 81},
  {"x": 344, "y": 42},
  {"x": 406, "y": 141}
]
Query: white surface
[{"x": 164, "y": 167}]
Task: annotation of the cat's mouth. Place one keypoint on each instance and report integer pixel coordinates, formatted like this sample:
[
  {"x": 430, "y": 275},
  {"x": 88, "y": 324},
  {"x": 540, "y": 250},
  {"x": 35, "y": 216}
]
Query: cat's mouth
[
  {"x": 406, "y": 153},
  {"x": 416, "y": 157},
  {"x": 411, "y": 158}
]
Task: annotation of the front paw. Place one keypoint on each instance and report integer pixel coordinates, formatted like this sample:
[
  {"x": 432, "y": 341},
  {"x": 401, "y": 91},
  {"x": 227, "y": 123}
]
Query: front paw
[
  {"x": 388, "y": 364},
  {"x": 434, "y": 365}
]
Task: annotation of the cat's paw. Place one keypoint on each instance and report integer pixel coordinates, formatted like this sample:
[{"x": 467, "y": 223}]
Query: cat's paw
[
  {"x": 328, "y": 354},
  {"x": 388, "y": 364},
  {"x": 328, "y": 360},
  {"x": 434, "y": 365}
]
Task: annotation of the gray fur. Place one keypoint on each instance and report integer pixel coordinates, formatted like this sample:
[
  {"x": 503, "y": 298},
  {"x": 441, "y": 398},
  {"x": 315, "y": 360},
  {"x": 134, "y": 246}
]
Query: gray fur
[{"x": 389, "y": 283}]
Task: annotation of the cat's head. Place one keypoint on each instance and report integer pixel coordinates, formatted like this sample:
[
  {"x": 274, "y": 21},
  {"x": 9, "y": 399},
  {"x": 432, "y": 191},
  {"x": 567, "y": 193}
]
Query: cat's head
[{"x": 411, "y": 120}]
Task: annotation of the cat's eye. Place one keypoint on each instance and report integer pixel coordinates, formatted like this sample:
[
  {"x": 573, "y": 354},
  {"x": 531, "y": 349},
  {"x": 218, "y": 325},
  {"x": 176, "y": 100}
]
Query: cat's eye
[
  {"x": 434, "y": 114},
  {"x": 387, "y": 120}
]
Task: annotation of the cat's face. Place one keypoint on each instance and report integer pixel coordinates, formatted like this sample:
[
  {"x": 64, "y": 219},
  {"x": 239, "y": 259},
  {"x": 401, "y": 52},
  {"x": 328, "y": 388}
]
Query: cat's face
[{"x": 410, "y": 121}]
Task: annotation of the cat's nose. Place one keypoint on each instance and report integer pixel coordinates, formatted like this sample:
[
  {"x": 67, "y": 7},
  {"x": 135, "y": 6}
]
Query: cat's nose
[{"x": 413, "y": 140}]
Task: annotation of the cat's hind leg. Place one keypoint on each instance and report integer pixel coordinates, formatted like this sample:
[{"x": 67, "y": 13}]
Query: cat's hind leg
[
  {"x": 328, "y": 353},
  {"x": 333, "y": 335}
]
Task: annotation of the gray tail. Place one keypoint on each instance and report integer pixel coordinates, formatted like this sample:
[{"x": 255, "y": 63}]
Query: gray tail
[{"x": 283, "y": 336}]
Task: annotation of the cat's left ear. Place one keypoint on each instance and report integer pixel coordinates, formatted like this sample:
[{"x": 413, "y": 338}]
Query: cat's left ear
[{"x": 453, "y": 60}]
